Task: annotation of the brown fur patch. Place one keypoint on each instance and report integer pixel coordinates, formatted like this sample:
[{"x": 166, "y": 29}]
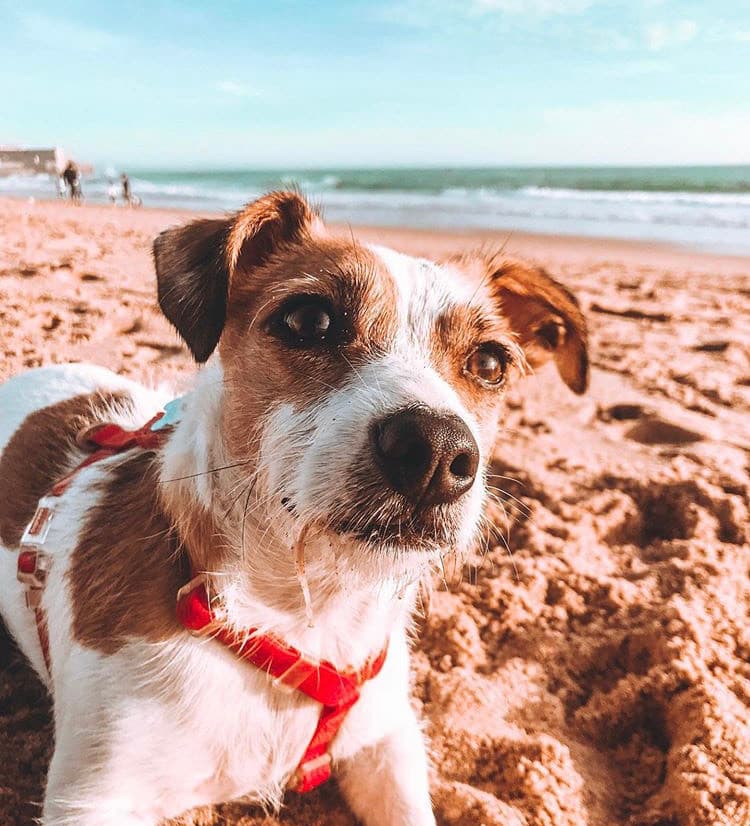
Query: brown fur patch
[
  {"x": 197, "y": 264},
  {"x": 548, "y": 320},
  {"x": 127, "y": 567},
  {"x": 361, "y": 293},
  {"x": 41, "y": 451}
]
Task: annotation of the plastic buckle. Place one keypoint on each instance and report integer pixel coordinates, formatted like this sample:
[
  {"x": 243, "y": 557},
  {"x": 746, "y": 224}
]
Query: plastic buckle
[
  {"x": 32, "y": 568},
  {"x": 312, "y": 773},
  {"x": 172, "y": 414},
  {"x": 36, "y": 531}
]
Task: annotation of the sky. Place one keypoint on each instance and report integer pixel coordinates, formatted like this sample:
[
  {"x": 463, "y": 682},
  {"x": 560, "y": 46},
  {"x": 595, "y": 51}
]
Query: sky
[{"x": 189, "y": 84}]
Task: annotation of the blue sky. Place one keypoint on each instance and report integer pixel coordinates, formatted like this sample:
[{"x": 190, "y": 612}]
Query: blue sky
[{"x": 425, "y": 82}]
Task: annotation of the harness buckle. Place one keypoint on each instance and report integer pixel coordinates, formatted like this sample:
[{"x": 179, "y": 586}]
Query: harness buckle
[
  {"x": 36, "y": 531},
  {"x": 311, "y": 773},
  {"x": 32, "y": 568}
]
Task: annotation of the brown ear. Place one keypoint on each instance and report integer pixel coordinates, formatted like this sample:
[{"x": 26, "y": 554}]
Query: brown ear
[
  {"x": 547, "y": 319},
  {"x": 196, "y": 264}
]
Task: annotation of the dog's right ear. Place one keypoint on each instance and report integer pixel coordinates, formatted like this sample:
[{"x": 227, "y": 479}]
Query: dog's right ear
[{"x": 197, "y": 264}]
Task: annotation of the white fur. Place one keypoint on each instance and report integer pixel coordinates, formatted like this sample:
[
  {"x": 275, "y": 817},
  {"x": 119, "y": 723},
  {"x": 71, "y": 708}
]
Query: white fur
[{"x": 154, "y": 729}]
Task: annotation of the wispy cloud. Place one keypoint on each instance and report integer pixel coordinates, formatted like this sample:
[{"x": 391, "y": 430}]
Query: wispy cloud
[
  {"x": 661, "y": 36},
  {"x": 237, "y": 90}
]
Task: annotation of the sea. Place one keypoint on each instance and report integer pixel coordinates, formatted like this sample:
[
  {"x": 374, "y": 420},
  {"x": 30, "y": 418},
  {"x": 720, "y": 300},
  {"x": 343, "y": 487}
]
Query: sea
[{"x": 701, "y": 207}]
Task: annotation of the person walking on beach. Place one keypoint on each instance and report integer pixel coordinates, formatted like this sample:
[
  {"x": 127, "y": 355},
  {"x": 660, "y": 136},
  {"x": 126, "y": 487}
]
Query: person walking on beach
[
  {"x": 72, "y": 178},
  {"x": 112, "y": 192},
  {"x": 126, "y": 194}
]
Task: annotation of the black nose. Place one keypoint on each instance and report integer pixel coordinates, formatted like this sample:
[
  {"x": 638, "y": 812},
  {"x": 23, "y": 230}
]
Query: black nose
[{"x": 430, "y": 458}]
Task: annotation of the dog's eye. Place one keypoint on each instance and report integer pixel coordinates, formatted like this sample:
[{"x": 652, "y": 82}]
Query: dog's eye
[
  {"x": 305, "y": 321},
  {"x": 488, "y": 364}
]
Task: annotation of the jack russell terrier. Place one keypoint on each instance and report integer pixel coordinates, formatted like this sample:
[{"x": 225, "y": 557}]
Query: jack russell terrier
[{"x": 219, "y": 593}]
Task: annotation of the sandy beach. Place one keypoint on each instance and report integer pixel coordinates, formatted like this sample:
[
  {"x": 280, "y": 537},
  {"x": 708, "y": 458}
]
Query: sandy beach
[{"x": 596, "y": 675}]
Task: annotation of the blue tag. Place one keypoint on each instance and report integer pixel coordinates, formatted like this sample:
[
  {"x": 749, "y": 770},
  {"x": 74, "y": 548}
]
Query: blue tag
[{"x": 172, "y": 414}]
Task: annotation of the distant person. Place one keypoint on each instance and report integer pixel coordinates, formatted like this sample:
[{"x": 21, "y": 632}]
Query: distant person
[
  {"x": 112, "y": 192},
  {"x": 72, "y": 178},
  {"x": 126, "y": 193}
]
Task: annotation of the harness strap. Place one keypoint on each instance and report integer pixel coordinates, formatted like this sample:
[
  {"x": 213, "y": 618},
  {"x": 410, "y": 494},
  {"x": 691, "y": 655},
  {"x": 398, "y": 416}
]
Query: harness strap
[
  {"x": 33, "y": 562},
  {"x": 336, "y": 690}
]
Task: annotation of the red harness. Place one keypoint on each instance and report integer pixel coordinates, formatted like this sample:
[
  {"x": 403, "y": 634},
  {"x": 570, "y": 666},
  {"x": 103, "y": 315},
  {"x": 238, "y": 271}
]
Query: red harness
[
  {"x": 336, "y": 690},
  {"x": 33, "y": 561}
]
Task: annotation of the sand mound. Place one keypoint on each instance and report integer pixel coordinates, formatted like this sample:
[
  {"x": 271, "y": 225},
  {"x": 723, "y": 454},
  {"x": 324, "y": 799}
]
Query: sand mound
[{"x": 600, "y": 676}]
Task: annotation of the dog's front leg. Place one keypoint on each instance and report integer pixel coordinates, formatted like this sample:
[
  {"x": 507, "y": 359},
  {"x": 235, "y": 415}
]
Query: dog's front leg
[{"x": 386, "y": 784}]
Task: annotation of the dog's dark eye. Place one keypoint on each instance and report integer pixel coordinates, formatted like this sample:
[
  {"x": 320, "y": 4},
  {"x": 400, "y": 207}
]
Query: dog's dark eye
[
  {"x": 305, "y": 321},
  {"x": 488, "y": 364}
]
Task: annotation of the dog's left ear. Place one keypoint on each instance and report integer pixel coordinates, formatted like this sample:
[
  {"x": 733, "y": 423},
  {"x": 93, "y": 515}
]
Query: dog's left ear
[
  {"x": 547, "y": 319},
  {"x": 197, "y": 265}
]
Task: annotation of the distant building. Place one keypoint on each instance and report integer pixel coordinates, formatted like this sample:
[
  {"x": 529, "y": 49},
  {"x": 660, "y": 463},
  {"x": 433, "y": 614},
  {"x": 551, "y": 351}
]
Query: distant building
[{"x": 17, "y": 161}]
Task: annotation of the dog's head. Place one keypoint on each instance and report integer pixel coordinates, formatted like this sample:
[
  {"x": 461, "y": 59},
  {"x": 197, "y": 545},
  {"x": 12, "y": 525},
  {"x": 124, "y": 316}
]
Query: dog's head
[{"x": 365, "y": 385}]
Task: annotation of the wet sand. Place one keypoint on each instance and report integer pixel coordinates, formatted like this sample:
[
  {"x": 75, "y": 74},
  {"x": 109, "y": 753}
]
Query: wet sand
[{"x": 599, "y": 676}]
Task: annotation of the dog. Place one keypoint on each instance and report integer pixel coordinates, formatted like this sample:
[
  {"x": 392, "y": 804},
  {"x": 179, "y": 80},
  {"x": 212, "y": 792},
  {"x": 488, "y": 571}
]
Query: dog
[{"x": 196, "y": 574}]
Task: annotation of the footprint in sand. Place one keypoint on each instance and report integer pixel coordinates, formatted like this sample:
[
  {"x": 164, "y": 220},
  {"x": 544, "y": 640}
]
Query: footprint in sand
[
  {"x": 91, "y": 276},
  {"x": 622, "y": 412},
  {"x": 130, "y": 326},
  {"x": 712, "y": 347},
  {"x": 630, "y": 312},
  {"x": 51, "y": 322},
  {"x": 161, "y": 346},
  {"x": 656, "y": 431}
]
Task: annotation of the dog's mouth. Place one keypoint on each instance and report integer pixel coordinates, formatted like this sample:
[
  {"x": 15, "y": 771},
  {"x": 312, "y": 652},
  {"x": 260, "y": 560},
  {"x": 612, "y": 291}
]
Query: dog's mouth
[
  {"x": 385, "y": 539},
  {"x": 429, "y": 530},
  {"x": 421, "y": 530}
]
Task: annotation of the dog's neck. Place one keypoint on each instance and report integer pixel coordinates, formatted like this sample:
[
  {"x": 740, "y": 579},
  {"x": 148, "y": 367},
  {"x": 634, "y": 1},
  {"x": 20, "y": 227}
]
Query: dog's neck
[{"x": 252, "y": 564}]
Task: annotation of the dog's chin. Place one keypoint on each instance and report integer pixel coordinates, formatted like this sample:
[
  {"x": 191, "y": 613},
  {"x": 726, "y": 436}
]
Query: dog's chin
[{"x": 395, "y": 538}]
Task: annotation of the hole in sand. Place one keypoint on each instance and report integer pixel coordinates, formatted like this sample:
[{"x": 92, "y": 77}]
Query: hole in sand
[
  {"x": 712, "y": 347},
  {"x": 668, "y": 513},
  {"x": 654, "y": 431},
  {"x": 624, "y": 412}
]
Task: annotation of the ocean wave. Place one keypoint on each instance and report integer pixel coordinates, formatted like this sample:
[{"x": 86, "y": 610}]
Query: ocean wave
[
  {"x": 640, "y": 196},
  {"x": 324, "y": 183},
  {"x": 192, "y": 191},
  {"x": 637, "y": 213}
]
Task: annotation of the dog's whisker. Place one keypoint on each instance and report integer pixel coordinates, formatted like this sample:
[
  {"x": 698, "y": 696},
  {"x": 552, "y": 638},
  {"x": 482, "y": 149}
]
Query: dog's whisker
[{"x": 243, "y": 463}]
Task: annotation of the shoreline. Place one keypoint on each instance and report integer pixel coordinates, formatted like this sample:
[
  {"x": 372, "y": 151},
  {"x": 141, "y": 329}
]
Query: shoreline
[{"x": 520, "y": 242}]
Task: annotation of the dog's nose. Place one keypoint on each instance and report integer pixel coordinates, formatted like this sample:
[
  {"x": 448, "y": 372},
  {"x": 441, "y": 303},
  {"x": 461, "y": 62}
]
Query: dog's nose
[{"x": 430, "y": 458}]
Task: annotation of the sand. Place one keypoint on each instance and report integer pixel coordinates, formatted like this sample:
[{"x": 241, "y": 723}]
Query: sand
[{"x": 598, "y": 677}]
